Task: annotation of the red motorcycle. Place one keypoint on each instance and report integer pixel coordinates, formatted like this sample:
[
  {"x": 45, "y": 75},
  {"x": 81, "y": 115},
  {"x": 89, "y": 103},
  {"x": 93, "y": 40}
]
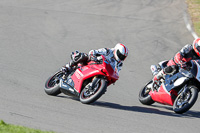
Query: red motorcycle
[
  {"x": 179, "y": 90},
  {"x": 88, "y": 82}
]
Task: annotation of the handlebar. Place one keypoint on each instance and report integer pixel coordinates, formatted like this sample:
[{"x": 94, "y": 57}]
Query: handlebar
[{"x": 97, "y": 59}]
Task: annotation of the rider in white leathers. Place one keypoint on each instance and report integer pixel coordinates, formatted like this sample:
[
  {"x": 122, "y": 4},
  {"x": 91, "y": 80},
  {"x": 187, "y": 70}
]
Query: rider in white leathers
[{"x": 115, "y": 56}]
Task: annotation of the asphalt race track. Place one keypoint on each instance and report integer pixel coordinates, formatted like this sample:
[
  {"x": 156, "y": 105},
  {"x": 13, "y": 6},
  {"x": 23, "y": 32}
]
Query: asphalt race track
[{"x": 37, "y": 37}]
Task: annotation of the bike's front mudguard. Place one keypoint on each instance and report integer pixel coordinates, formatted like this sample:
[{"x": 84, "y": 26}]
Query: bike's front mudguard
[{"x": 80, "y": 75}]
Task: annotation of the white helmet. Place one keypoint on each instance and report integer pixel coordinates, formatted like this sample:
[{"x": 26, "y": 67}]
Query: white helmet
[{"x": 120, "y": 52}]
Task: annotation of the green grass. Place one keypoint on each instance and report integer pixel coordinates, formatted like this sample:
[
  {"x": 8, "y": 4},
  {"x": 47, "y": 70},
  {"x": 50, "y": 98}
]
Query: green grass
[
  {"x": 8, "y": 128},
  {"x": 194, "y": 11}
]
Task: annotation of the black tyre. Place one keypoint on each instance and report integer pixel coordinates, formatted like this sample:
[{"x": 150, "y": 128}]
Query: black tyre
[
  {"x": 184, "y": 102},
  {"x": 88, "y": 96},
  {"x": 52, "y": 84},
  {"x": 144, "y": 96}
]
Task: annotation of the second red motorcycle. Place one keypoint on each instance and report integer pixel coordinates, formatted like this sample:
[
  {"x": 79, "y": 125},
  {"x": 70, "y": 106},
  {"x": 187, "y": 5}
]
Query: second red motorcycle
[{"x": 179, "y": 90}]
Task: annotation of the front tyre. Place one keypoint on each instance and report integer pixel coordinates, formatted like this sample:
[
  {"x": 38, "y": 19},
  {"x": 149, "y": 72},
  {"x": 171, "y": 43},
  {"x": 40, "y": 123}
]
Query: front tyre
[
  {"x": 90, "y": 95},
  {"x": 52, "y": 84},
  {"x": 184, "y": 102},
  {"x": 144, "y": 96}
]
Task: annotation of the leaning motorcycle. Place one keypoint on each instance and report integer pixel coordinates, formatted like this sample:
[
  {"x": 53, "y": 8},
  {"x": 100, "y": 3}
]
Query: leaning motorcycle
[
  {"x": 179, "y": 90},
  {"x": 87, "y": 82}
]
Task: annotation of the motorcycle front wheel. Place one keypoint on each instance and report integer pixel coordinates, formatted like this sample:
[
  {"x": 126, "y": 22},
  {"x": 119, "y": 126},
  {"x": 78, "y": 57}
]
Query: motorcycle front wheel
[
  {"x": 90, "y": 95},
  {"x": 144, "y": 96},
  {"x": 52, "y": 84},
  {"x": 185, "y": 101}
]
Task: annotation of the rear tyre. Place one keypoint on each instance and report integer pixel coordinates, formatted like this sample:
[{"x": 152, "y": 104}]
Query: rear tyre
[
  {"x": 88, "y": 96},
  {"x": 52, "y": 84},
  {"x": 184, "y": 102},
  {"x": 144, "y": 96}
]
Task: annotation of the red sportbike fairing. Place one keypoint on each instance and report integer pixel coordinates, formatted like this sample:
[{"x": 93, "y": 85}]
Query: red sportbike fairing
[
  {"x": 88, "y": 82},
  {"x": 179, "y": 90}
]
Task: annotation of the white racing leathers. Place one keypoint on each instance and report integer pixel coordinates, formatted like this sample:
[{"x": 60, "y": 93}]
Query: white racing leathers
[{"x": 109, "y": 54}]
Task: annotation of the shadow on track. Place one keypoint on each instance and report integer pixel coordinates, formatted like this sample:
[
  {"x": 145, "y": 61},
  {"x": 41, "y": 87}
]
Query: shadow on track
[
  {"x": 69, "y": 97},
  {"x": 148, "y": 109}
]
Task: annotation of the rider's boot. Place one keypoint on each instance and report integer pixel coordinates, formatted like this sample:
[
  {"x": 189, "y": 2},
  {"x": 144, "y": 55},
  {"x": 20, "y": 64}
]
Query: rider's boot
[{"x": 66, "y": 69}]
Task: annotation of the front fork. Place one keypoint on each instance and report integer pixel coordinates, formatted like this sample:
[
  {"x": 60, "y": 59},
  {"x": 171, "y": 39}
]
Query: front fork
[
  {"x": 185, "y": 89},
  {"x": 183, "y": 96},
  {"x": 93, "y": 83},
  {"x": 90, "y": 87}
]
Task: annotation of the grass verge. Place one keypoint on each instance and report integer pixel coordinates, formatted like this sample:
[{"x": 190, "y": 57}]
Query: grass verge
[
  {"x": 194, "y": 11},
  {"x": 8, "y": 128}
]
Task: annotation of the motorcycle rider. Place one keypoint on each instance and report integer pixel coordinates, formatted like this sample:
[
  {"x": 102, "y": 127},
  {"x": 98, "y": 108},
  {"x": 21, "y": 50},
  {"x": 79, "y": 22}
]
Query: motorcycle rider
[
  {"x": 115, "y": 56},
  {"x": 187, "y": 53}
]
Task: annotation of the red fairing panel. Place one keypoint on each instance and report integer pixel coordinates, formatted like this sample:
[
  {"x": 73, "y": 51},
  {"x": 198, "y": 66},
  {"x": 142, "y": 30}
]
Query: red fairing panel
[
  {"x": 91, "y": 70},
  {"x": 162, "y": 96},
  {"x": 83, "y": 73}
]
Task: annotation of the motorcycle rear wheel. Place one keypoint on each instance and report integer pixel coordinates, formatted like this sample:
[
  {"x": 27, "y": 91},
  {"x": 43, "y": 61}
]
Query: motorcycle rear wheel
[
  {"x": 183, "y": 104},
  {"x": 52, "y": 84},
  {"x": 89, "y": 96},
  {"x": 144, "y": 96}
]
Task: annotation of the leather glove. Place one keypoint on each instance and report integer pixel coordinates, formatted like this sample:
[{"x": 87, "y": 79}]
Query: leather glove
[
  {"x": 92, "y": 58},
  {"x": 183, "y": 64},
  {"x": 99, "y": 58}
]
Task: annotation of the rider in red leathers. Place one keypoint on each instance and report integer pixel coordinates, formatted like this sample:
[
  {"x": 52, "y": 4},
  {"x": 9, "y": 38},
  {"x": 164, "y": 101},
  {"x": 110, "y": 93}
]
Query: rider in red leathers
[
  {"x": 187, "y": 53},
  {"x": 115, "y": 56}
]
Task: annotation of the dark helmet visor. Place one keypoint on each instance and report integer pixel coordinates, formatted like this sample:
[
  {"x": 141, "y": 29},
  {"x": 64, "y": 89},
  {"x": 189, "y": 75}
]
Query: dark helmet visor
[
  {"x": 121, "y": 56},
  {"x": 197, "y": 47}
]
